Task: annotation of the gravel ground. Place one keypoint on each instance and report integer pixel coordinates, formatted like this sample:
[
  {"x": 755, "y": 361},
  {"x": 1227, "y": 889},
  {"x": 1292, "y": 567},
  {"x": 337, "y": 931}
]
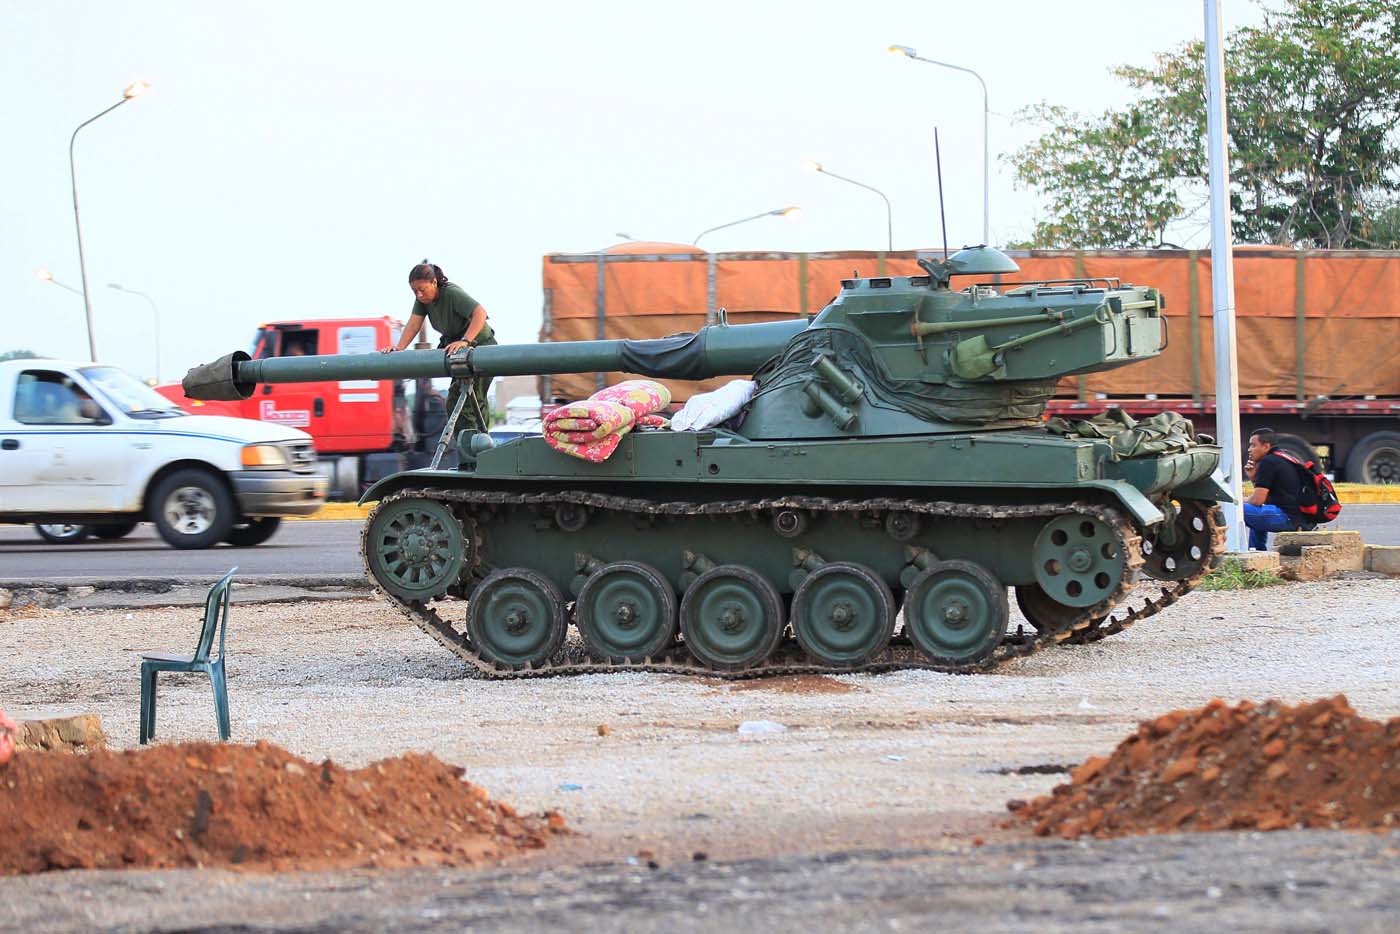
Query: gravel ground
[{"x": 906, "y": 760}]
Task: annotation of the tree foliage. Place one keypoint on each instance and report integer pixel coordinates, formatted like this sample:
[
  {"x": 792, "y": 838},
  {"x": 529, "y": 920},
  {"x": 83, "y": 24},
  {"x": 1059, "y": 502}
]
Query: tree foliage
[
  {"x": 1313, "y": 98},
  {"x": 18, "y": 355}
]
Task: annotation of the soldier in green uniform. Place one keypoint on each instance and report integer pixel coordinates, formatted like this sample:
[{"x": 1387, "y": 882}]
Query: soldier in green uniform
[{"x": 461, "y": 322}]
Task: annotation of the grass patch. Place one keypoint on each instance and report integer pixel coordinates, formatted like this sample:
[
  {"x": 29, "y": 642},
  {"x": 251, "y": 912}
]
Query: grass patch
[{"x": 1231, "y": 575}]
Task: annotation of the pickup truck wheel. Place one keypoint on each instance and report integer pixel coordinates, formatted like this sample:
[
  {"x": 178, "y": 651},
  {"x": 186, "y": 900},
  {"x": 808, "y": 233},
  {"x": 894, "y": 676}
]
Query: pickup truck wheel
[
  {"x": 61, "y": 533},
  {"x": 114, "y": 531},
  {"x": 253, "y": 532},
  {"x": 192, "y": 509}
]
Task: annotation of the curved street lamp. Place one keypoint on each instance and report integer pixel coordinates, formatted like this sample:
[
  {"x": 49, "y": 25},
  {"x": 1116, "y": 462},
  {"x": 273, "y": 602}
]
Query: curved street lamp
[
  {"x": 909, "y": 52},
  {"x": 816, "y": 166},
  {"x": 155, "y": 318},
  {"x": 133, "y": 90},
  {"x": 47, "y": 276},
  {"x": 791, "y": 210}
]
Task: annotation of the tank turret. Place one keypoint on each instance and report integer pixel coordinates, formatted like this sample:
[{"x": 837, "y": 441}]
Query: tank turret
[{"x": 894, "y": 456}]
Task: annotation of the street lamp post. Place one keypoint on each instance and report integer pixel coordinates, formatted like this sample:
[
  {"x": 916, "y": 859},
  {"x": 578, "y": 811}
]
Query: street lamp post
[
  {"x": 908, "y": 52},
  {"x": 134, "y": 89},
  {"x": 776, "y": 212},
  {"x": 155, "y": 318},
  {"x": 889, "y": 214}
]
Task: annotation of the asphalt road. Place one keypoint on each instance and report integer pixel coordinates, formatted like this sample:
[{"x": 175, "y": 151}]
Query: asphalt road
[
  {"x": 312, "y": 548},
  {"x": 316, "y": 548}
]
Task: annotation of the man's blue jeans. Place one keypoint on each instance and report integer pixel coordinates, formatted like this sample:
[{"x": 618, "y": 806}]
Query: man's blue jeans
[{"x": 1261, "y": 521}]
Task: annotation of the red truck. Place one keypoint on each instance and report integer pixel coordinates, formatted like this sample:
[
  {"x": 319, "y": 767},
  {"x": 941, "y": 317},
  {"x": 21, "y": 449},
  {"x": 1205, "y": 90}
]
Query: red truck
[{"x": 362, "y": 429}]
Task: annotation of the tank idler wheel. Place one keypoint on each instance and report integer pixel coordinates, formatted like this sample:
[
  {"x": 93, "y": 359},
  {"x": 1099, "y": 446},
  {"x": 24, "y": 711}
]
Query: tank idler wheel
[
  {"x": 955, "y": 612},
  {"x": 1046, "y": 614},
  {"x": 414, "y": 548},
  {"x": 626, "y": 612},
  {"x": 731, "y": 617},
  {"x": 516, "y": 618},
  {"x": 1078, "y": 561},
  {"x": 843, "y": 615},
  {"x": 1180, "y": 553}
]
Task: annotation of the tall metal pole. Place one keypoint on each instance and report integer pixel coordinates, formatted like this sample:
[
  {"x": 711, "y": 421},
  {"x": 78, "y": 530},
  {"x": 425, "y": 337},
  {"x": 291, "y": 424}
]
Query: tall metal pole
[
  {"x": 908, "y": 52},
  {"x": 77, "y": 222},
  {"x": 1222, "y": 265},
  {"x": 135, "y": 89}
]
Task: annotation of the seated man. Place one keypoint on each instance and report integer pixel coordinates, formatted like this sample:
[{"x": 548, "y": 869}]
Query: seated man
[{"x": 1273, "y": 506}]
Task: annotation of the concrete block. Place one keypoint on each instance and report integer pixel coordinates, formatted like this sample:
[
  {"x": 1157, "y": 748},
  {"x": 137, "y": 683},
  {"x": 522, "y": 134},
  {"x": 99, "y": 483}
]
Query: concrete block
[
  {"x": 1255, "y": 560},
  {"x": 1312, "y": 563},
  {"x": 82, "y": 732},
  {"x": 1383, "y": 559},
  {"x": 1350, "y": 549}
]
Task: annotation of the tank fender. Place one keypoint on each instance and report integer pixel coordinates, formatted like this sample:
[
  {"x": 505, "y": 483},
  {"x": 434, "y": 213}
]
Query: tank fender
[
  {"x": 395, "y": 482},
  {"x": 1139, "y": 506},
  {"x": 1207, "y": 488}
]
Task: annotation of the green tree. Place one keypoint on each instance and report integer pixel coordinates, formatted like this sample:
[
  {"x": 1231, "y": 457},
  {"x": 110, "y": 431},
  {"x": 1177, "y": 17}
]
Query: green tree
[
  {"x": 1313, "y": 101},
  {"x": 18, "y": 355}
]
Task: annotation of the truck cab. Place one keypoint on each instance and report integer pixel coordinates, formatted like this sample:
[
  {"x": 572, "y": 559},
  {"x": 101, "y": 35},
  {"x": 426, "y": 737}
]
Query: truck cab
[{"x": 362, "y": 429}]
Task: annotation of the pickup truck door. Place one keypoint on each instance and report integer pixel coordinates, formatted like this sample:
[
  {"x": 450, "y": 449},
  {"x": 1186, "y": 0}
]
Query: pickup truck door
[{"x": 70, "y": 454}]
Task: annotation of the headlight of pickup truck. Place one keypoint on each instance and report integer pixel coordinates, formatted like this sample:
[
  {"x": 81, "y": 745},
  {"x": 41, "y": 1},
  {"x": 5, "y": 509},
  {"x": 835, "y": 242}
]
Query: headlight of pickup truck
[{"x": 264, "y": 455}]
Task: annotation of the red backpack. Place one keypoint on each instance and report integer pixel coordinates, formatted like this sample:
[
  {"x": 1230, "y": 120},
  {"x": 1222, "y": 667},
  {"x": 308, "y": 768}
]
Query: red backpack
[{"x": 1317, "y": 499}]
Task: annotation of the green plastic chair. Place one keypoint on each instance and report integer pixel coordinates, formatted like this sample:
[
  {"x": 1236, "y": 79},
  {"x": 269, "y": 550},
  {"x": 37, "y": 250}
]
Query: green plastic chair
[{"x": 215, "y": 617}]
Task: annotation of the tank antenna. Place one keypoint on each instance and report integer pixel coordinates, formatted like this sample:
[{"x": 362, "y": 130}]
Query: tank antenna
[{"x": 942, "y": 218}]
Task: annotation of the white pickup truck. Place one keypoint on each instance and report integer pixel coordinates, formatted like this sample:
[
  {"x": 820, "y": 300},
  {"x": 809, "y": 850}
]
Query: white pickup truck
[{"x": 91, "y": 448}]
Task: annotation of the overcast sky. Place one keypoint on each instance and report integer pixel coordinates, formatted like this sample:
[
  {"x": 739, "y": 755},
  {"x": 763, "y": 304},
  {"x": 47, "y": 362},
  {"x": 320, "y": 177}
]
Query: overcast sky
[{"x": 294, "y": 159}]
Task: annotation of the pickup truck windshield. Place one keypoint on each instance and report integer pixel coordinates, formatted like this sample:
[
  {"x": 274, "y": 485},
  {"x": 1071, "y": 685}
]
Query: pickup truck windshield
[{"x": 129, "y": 394}]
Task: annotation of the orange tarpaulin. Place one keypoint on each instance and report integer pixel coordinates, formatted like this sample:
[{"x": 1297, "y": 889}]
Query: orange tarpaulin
[{"x": 1346, "y": 320}]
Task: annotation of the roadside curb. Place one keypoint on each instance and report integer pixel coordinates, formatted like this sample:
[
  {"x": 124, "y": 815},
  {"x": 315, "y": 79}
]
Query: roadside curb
[{"x": 98, "y": 593}]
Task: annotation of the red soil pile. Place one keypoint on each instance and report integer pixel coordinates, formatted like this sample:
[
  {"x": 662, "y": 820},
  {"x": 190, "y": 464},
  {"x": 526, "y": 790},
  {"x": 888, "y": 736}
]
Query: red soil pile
[
  {"x": 204, "y": 804},
  {"x": 1250, "y": 767}
]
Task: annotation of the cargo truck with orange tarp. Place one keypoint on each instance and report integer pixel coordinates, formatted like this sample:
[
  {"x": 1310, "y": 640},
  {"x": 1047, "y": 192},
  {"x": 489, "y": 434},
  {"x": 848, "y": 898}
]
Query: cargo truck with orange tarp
[{"x": 1318, "y": 331}]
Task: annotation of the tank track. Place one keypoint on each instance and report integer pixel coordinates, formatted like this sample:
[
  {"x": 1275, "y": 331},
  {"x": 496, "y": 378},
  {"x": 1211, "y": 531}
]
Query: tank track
[{"x": 1093, "y": 624}]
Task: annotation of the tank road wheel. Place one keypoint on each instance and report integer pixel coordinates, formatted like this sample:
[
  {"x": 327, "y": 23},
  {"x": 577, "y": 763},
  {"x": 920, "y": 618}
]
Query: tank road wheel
[
  {"x": 843, "y": 614},
  {"x": 1180, "y": 552},
  {"x": 516, "y": 618},
  {"x": 626, "y": 611},
  {"x": 1046, "y": 614},
  {"x": 414, "y": 548},
  {"x": 731, "y": 617},
  {"x": 1078, "y": 561},
  {"x": 955, "y": 612}
]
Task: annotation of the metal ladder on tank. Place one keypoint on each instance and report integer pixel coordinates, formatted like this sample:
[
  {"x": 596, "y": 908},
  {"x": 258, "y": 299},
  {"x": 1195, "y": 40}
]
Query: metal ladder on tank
[{"x": 468, "y": 392}]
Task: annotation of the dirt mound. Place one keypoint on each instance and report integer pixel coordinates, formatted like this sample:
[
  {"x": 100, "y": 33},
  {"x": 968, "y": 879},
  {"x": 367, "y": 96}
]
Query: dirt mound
[
  {"x": 1256, "y": 767},
  {"x": 205, "y": 804}
]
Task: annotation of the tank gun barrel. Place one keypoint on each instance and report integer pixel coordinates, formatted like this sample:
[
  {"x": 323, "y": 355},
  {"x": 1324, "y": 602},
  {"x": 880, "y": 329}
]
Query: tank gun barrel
[{"x": 718, "y": 350}]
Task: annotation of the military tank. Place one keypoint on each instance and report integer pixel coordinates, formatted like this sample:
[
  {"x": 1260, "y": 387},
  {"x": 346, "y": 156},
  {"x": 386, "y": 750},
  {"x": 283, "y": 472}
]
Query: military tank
[{"x": 894, "y": 461}]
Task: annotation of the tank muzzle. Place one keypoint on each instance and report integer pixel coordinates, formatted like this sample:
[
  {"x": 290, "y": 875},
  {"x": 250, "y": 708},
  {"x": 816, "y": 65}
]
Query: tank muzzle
[{"x": 218, "y": 381}]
